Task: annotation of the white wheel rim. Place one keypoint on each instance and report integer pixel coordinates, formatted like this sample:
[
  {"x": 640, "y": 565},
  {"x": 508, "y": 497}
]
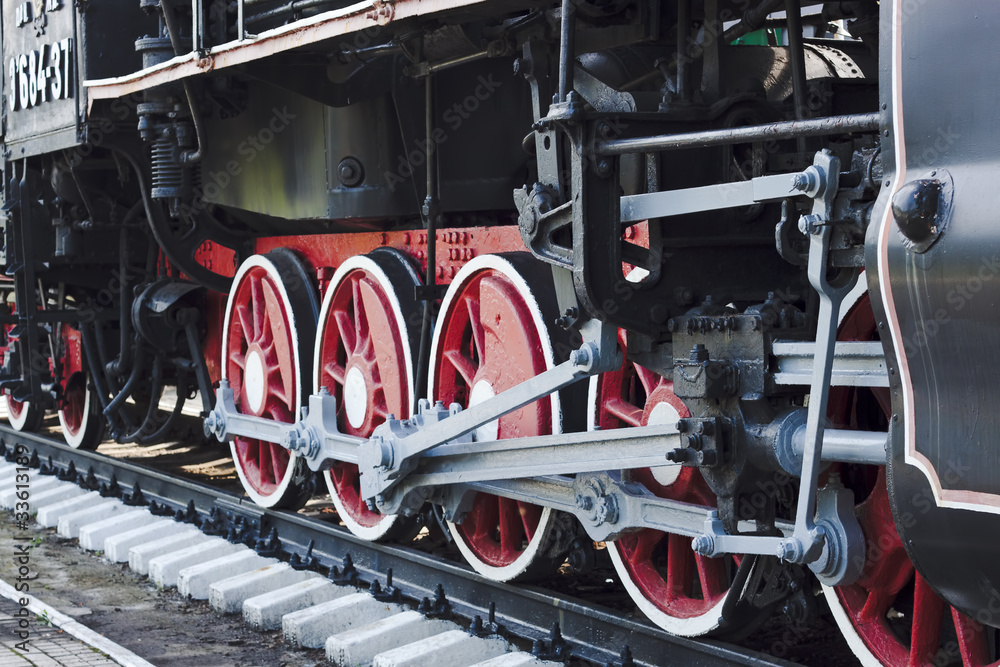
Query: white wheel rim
[
  {"x": 840, "y": 615},
  {"x": 694, "y": 626},
  {"x": 684, "y": 627},
  {"x": 19, "y": 419},
  {"x": 75, "y": 439},
  {"x": 262, "y": 262},
  {"x": 858, "y": 646},
  {"x": 505, "y": 268},
  {"x": 361, "y": 262}
]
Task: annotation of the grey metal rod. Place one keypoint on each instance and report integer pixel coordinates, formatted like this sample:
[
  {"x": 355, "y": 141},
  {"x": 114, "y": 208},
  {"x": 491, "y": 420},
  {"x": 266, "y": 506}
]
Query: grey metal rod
[
  {"x": 752, "y": 20},
  {"x": 567, "y": 48},
  {"x": 683, "y": 28},
  {"x": 863, "y": 447},
  {"x": 866, "y": 122},
  {"x": 797, "y": 54},
  {"x": 430, "y": 212},
  {"x": 455, "y": 62}
]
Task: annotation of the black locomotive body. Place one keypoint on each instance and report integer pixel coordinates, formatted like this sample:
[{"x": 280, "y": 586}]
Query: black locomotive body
[{"x": 708, "y": 282}]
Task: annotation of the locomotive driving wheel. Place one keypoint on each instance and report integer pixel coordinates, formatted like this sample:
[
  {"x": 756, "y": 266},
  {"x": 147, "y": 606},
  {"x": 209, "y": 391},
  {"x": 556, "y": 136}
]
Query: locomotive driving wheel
[
  {"x": 364, "y": 357},
  {"x": 890, "y": 615},
  {"x": 269, "y": 331},
  {"x": 23, "y": 415},
  {"x": 80, "y": 419},
  {"x": 490, "y": 337},
  {"x": 682, "y": 592}
]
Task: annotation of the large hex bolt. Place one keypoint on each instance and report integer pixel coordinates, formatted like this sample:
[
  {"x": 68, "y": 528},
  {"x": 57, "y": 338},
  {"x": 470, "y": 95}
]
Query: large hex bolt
[{"x": 350, "y": 172}]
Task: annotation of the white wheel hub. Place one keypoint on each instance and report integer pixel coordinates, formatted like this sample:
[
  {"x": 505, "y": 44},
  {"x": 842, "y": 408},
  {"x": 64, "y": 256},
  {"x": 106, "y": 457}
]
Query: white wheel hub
[
  {"x": 664, "y": 413},
  {"x": 483, "y": 391},
  {"x": 253, "y": 380},
  {"x": 355, "y": 397}
]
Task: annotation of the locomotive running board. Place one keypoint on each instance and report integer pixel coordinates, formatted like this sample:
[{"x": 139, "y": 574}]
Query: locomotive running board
[{"x": 327, "y": 25}]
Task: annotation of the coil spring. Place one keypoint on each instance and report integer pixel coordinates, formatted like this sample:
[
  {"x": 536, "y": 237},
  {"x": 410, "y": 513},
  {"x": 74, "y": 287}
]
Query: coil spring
[{"x": 170, "y": 178}]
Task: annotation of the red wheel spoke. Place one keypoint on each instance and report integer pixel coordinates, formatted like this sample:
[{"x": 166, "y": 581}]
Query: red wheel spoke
[
  {"x": 348, "y": 334},
  {"x": 257, "y": 310},
  {"x": 624, "y": 411},
  {"x": 278, "y": 462},
  {"x": 876, "y": 605},
  {"x": 360, "y": 504},
  {"x": 365, "y": 298},
  {"x": 712, "y": 574},
  {"x": 336, "y": 372},
  {"x": 505, "y": 325},
  {"x": 928, "y": 610},
  {"x": 486, "y": 513},
  {"x": 973, "y": 641},
  {"x": 679, "y": 562},
  {"x": 281, "y": 339},
  {"x": 366, "y": 349},
  {"x": 278, "y": 391},
  {"x": 359, "y": 325},
  {"x": 530, "y": 516},
  {"x": 264, "y": 464},
  {"x": 278, "y": 411},
  {"x": 463, "y": 365},
  {"x": 511, "y": 534},
  {"x": 889, "y": 582},
  {"x": 647, "y": 378},
  {"x": 238, "y": 359},
  {"x": 478, "y": 332},
  {"x": 386, "y": 344},
  {"x": 246, "y": 320},
  {"x": 643, "y": 544}
]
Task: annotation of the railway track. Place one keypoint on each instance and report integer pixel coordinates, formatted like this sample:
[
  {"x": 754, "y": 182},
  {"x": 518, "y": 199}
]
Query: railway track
[{"x": 554, "y": 625}]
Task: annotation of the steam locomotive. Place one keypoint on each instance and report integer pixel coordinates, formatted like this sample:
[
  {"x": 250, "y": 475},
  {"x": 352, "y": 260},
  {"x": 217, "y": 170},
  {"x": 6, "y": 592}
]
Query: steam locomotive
[{"x": 706, "y": 284}]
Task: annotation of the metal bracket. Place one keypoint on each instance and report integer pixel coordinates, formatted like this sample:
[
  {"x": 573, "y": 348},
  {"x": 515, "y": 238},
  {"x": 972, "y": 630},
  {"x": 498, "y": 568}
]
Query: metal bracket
[
  {"x": 829, "y": 544},
  {"x": 855, "y": 364},
  {"x": 393, "y": 449},
  {"x": 429, "y": 292}
]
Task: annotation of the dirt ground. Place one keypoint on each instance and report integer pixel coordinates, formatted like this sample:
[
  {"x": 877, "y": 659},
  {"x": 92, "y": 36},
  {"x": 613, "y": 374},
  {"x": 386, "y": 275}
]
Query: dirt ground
[{"x": 156, "y": 625}]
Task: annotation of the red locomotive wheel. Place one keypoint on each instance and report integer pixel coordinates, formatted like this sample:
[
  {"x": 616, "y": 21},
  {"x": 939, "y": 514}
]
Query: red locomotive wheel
[
  {"x": 22, "y": 415},
  {"x": 270, "y": 326},
  {"x": 890, "y": 616},
  {"x": 364, "y": 357},
  {"x": 676, "y": 588},
  {"x": 490, "y": 337},
  {"x": 82, "y": 423}
]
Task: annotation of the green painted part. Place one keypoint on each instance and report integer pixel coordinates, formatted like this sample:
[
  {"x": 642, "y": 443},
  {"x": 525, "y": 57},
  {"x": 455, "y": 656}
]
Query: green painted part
[{"x": 759, "y": 38}]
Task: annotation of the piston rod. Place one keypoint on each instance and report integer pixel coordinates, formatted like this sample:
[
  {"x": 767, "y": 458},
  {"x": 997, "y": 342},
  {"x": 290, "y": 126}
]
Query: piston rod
[{"x": 865, "y": 122}]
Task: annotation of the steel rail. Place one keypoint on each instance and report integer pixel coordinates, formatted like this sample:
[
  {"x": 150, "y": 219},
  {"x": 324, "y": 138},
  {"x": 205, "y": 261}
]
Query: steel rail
[{"x": 594, "y": 633}]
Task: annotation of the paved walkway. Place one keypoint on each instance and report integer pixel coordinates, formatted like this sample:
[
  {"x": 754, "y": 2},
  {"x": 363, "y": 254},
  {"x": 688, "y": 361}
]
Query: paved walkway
[{"x": 47, "y": 645}]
